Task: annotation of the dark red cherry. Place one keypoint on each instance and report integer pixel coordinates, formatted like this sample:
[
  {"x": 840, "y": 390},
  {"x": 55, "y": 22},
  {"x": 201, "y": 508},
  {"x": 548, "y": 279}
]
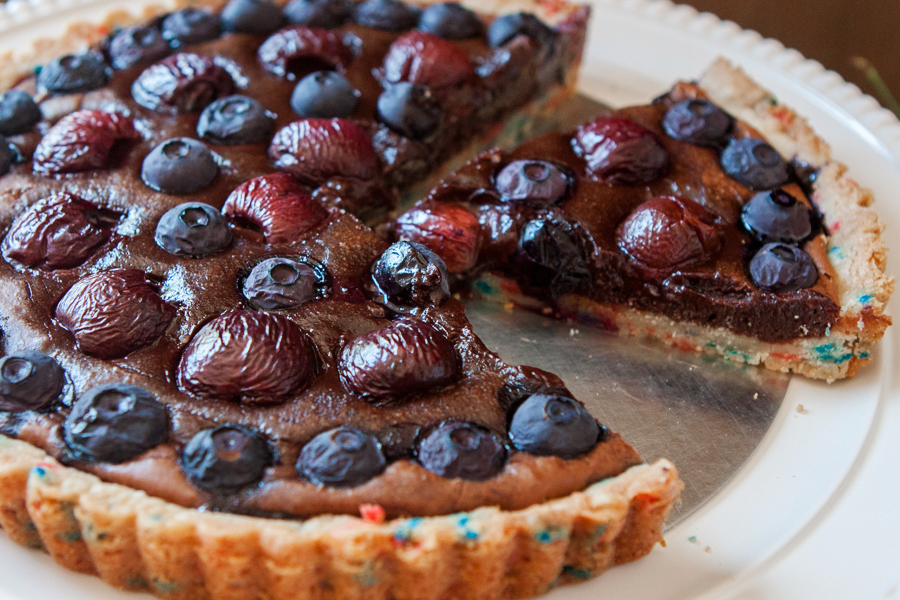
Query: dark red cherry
[
  {"x": 776, "y": 216},
  {"x": 182, "y": 83},
  {"x": 424, "y": 59},
  {"x": 536, "y": 182},
  {"x": 755, "y": 164},
  {"x": 781, "y": 268},
  {"x": 341, "y": 457},
  {"x": 226, "y": 459},
  {"x": 462, "y": 450},
  {"x": 314, "y": 150},
  {"x": 81, "y": 141},
  {"x": 448, "y": 229},
  {"x": 698, "y": 121},
  {"x": 551, "y": 425},
  {"x": 277, "y": 205},
  {"x": 619, "y": 151},
  {"x": 30, "y": 381},
  {"x": 298, "y": 50}
]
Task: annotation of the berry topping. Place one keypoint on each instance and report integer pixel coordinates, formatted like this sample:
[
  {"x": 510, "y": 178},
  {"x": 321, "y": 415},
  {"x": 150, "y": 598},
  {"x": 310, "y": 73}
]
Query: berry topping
[
  {"x": 18, "y": 112},
  {"x": 535, "y": 182},
  {"x": 341, "y": 457},
  {"x": 226, "y": 458},
  {"x": 619, "y": 151},
  {"x": 776, "y": 216},
  {"x": 277, "y": 205},
  {"x": 425, "y": 59},
  {"x": 235, "y": 120},
  {"x": 399, "y": 441},
  {"x": 259, "y": 17},
  {"x": 410, "y": 110},
  {"x": 462, "y": 450},
  {"x": 113, "y": 313},
  {"x": 699, "y": 122},
  {"x": 449, "y": 230},
  {"x": 190, "y": 26},
  {"x": 59, "y": 232},
  {"x": 317, "y": 149},
  {"x": 325, "y": 95},
  {"x": 298, "y": 50},
  {"x": 135, "y": 45},
  {"x": 450, "y": 21},
  {"x": 256, "y": 358},
  {"x": 81, "y": 141},
  {"x": 554, "y": 257},
  {"x": 755, "y": 164},
  {"x": 182, "y": 83},
  {"x": 781, "y": 268},
  {"x": 179, "y": 166},
  {"x": 29, "y": 381},
  {"x": 668, "y": 232},
  {"x": 280, "y": 284},
  {"x": 410, "y": 274},
  {"x": 193, "y": 229},
  {"x": 404, "y": 358},
  {"x": 550, "y": 425},
  {"x": 505, "y": 28},
  {"x": 326, "y": 14},
  {"x": 391, "y": 15},
  {"x": 114, "y": 423},
  {"x": 74, "y": 73}
]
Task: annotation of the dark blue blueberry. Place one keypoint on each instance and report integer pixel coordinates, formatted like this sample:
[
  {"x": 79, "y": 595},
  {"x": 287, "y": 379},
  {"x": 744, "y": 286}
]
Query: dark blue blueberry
[
  {"x": 74, "y": 73},
  {"x": 553, "y": 258},
  {"x": 29, "y": 381},
  {"x": 179, "y": 166},
  {"x": 450, "y": 21},
  {"x": 410, "y": 110},
  {"x": 776, "y": 216},
  {"x": 755, "y": 164},
  {"x": 226, "y": 458},
  {"x": 782, "y": 268},
  {"x": 260, "y": 17},
  {"x": 114, "y": 423},
  {"x": 135, "y": 45},
  {"x": 391, "y": 15},
  {"x": 505, "y": 28},
  {"x": 7, "y": 155},
  {"x": 536, "y": 182},
  {"x": 281, "y": 283},
  {"x": 462, "y": 450},
  {"x": 326, "y": 14},
  {"x": 235, "y": 120},
  {"x": 341, "y": 457},
  {"x": 699, "y": 122},
  {"x": 190, "y": 26},
  {"x": 18, "y": 112},
  {"x": 410, "y": 274},
  {"x": 193, "y": 229},
  {"x": 325, "y": 95},
  {"x": 550, "y": 425}
]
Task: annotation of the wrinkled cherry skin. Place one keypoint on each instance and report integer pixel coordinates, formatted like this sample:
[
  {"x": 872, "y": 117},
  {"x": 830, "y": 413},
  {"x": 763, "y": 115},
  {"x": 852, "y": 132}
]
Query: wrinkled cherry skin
[
  {"x": 404, "y": 358},
  {"x": 81, "y": 141},
  {"x": 425, "y": 59},
  {"x": 298, "y": 44},
  {"x": 113, "y": 313},
  {"x": 619, "y": 151},
  {"x": 668, "y": 232},
  {"x": 278, "y": 205},
  {"x": 59, "y": 232},
  {"x": 254, "y": 358},
  {"x": 449, "y": 230},
  {"x": 182, "y": 83},
  {"x": 314, "y": 150}
]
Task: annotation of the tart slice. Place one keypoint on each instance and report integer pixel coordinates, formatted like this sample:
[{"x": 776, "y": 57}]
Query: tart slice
[{"x": 712, "y": 219}]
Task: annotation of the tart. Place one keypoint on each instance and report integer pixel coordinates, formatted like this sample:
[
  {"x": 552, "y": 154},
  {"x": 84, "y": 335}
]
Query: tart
[{"x": 712, "y": 219}]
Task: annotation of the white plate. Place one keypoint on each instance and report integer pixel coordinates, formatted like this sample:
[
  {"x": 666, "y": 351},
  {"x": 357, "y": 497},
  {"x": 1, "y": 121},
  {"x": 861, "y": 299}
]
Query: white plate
[{"x": 813, "y": 512}]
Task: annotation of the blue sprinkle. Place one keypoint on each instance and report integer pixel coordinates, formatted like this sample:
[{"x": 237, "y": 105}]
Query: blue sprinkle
[
  {"x": 484, "y": 287},
  {"x": 551, "y": 534},
  {"x": 466, "y": 533},
  {"x": 40, "y": 471},
  {"x": 828, "y": 353},
  {"x": 864, "y": 355},
  {"x": 865, "y": 298},
  {"x": 577, "y": 573},
  {"x": 404, "y": 532},
  {"x": 836, "y": 252},
  {"x": 70, "y": 536},
  {"x": 164, "y": 587}
]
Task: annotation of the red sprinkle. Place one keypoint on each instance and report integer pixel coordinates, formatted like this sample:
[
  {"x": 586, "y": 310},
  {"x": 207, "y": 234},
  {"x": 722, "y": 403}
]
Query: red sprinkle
[{"x": 373, "y": 513}]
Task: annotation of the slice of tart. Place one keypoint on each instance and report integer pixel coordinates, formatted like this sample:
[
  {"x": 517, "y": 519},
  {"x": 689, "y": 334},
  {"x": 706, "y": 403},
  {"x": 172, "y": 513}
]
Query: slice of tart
[{"x": 712, "y": 219}]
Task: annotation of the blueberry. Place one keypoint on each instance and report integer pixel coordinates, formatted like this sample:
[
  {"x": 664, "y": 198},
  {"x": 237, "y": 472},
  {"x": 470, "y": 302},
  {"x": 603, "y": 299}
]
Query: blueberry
[
  {"x": 462, "y": 450},
  {"x": 18, "y": 112},
  {"x": 776, "y": 216},
  {"x": 699, "y": 122},
  {"x": 235, "y": 120},
  {"x": 193, "y": 229},
  {"x": 134, "y": 45},
  {"x": 341, "y": 457},
  {"x": 410, "y": 274},
  {"x": 781, "y": 268},
  {"x": 190, "y": 26},
  {"x": 326, "y": 14},
  {"x": 409, "y": 110},
  {"x": 536, "y": 182},
  {"x": 755, "y": 164},
  {"x": 450, "y": 21},
  {"x": 505, "y": 28},
  {"x": 7, "y": 155},
  {"x": 550, "y": 425},
  {"x": 179, "y": 166},
  {"x": 29, "y": 381},
  {"x": 399, "y": 441},
  {"x": 553, "y": 257},
  {"x": 74, "y": 73},
  {"x": 324, "y": 95},
  {"x": 280, "y": 283},
  {"x": 391, "y": 15},
  {"x": 114, "y": 423},
  {"x": 226, "y": 458},
  {"x": 260, "y": 17}
]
